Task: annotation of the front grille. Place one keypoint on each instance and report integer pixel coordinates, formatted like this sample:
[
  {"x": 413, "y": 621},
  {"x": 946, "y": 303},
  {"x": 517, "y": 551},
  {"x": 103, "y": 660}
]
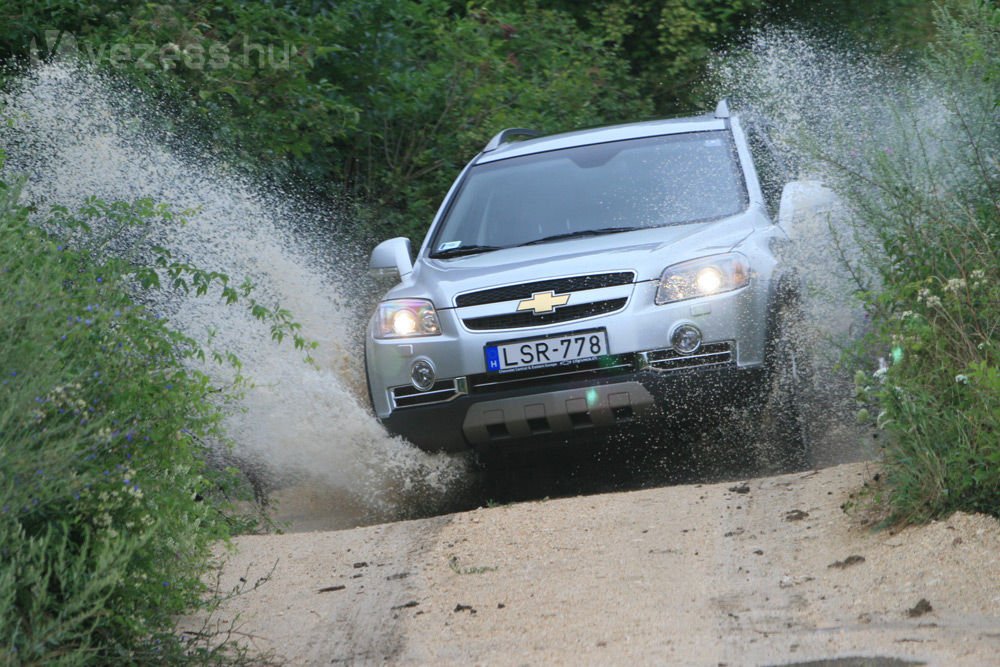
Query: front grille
[
  {"x": 712, "y": 354},
  {"x": 601, "y": 367},
  {"x": 558, "y": 285},
  {"x": 529, "y": 319},
  {"x": 408, "y": 396}
]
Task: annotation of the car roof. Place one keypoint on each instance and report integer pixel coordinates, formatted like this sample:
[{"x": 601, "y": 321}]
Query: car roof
[{"x": 601, "y": 135}]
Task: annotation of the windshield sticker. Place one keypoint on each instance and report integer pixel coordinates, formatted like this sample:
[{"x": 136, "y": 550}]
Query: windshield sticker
[{"x": 449, "y": 245}]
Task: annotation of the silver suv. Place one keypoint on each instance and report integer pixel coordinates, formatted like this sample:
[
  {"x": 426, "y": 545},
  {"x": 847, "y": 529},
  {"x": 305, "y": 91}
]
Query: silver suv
[{"x": 579, "y": 281}]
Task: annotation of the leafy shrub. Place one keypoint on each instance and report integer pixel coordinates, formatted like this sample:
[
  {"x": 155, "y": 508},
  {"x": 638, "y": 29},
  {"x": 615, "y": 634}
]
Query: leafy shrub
[
  {"x": 927, "y": 195},
  {"x": 107, "y": 508},
  {"x": 439, "y": 85},
  {"x": 892, "y": 25}
]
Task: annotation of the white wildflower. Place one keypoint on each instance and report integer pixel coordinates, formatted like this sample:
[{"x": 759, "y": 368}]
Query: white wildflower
[
  {"x": 955, "y": 284},
  {"x": 978, "y": 274},
  {"x": 977, "y": 280},
  {"x": 933, "y": 301},
  {"x": 962, "y": 379}
]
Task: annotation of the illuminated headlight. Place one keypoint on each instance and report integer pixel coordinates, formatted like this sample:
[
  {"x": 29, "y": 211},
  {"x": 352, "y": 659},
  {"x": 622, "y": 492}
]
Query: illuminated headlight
[
  {"x": 703, "y": 277},
  {"x": 406, "y": 318}
]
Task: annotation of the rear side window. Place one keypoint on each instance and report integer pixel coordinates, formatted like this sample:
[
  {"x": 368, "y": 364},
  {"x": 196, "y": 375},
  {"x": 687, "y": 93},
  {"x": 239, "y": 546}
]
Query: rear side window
[{"x": 771, "y": 171}]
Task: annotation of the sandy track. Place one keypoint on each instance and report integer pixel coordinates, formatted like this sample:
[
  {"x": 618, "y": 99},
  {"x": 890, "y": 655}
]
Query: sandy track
[{"x": 702, "y": 574}]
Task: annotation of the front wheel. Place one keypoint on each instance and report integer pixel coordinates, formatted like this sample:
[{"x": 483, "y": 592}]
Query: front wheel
[{"x": 783, "y": 434}]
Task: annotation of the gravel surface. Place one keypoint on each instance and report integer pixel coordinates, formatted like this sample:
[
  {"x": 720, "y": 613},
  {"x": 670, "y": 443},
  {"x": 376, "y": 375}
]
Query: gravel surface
[{"x": 768, "y": 571}]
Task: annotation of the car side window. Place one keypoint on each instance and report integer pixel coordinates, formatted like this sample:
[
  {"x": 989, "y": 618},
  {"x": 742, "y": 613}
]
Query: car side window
[{"x": 771, "y": 171}]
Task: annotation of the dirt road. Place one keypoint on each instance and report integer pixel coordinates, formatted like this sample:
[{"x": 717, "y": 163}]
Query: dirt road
[{"x": 765, "y": 572}]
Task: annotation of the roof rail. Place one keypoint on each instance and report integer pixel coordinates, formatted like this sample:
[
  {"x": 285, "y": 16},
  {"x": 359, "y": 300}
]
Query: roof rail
[
  {"x": 722, "y": 109},
  {"x": 504, "y": 136}
]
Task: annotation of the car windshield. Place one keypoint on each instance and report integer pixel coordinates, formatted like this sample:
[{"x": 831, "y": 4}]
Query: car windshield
[{"x": 590, "y": 190}]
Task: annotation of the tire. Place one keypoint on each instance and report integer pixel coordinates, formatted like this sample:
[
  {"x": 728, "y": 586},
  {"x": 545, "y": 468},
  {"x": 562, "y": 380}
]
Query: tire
[
  {"x": 371, "y": 396},
  {"x": 783, "y": 441}
]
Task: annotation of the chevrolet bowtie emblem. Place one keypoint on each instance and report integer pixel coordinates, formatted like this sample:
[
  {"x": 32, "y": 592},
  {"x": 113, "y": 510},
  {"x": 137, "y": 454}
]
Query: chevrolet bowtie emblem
[{"x": 543, "y": 302}]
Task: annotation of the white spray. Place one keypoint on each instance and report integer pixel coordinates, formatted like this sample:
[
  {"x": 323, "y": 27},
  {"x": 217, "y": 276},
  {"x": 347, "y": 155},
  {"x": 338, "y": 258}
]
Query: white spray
[
  {"x": 75, "y": 134},
  {"x": 819, "y": 104}
]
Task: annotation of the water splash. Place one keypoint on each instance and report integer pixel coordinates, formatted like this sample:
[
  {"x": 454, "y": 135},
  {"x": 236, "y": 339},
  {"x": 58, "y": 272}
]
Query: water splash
[
  {"x": 820, "y": 105},
  {"x": 76, "y": 134}
]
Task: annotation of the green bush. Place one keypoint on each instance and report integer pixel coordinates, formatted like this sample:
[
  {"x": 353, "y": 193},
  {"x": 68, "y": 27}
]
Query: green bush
[
  {"x": 440, "y": 85},
  {"x": 669, "y": 43},
  {"x": 896, "y": 26},
  {"x": 926, "y": 191},
  {"x": 107, "y": 508}
]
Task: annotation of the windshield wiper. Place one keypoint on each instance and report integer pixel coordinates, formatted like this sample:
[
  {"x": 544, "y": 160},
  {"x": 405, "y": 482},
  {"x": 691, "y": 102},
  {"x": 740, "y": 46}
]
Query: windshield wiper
[
  {"x": 582, "y": 232},
  {"x": 464, "y": 250}
]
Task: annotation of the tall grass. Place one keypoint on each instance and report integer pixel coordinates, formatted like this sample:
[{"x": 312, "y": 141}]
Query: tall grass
[
  {"x": 107, "y": 507},
  {"x": 925, "y": 190}
]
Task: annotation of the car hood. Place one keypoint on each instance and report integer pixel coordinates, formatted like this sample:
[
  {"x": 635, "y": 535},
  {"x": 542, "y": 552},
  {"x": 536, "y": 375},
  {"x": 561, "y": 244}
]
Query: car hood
[{"x": 647, "y": 252}]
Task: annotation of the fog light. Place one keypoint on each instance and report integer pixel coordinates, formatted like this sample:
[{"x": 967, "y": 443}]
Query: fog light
[
  {"x": 422, "y": 375},
  {"x": 686, "y": 339}
]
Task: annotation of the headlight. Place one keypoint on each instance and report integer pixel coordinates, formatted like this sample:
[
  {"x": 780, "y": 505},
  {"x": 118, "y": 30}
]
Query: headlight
[
  {"x": 407, "y": 318},
  {"x": 702, "y": 277}
]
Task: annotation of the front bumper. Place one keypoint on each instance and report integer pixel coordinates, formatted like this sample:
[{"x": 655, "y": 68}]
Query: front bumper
[
  {"x": 570, "y": 408},
  {"x": 641, "y": 377}
]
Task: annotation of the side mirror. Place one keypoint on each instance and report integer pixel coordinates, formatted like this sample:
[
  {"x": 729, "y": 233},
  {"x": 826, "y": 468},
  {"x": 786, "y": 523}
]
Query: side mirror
[
  {"x": 392, "y": 256},
  {"x": 804, "y": 206}
]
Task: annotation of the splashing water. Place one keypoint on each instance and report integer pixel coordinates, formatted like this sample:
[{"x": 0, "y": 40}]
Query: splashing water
[
  {"x": 820, "y": 104},
  {"x": 813, "y": 99},
  {"x": 77, "y": 134}
]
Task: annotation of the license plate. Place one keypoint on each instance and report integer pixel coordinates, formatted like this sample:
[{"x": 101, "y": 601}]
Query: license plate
[{"x": 549, "y": 351}]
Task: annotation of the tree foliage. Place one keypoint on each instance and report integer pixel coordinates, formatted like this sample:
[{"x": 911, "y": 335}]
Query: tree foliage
[
  {"x": 381, "y": 102},
  {"x": 889, "y": 25}
]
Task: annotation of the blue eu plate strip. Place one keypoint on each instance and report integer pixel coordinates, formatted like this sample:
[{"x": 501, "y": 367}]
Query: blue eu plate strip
[{"x": 492, "y": 359}]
